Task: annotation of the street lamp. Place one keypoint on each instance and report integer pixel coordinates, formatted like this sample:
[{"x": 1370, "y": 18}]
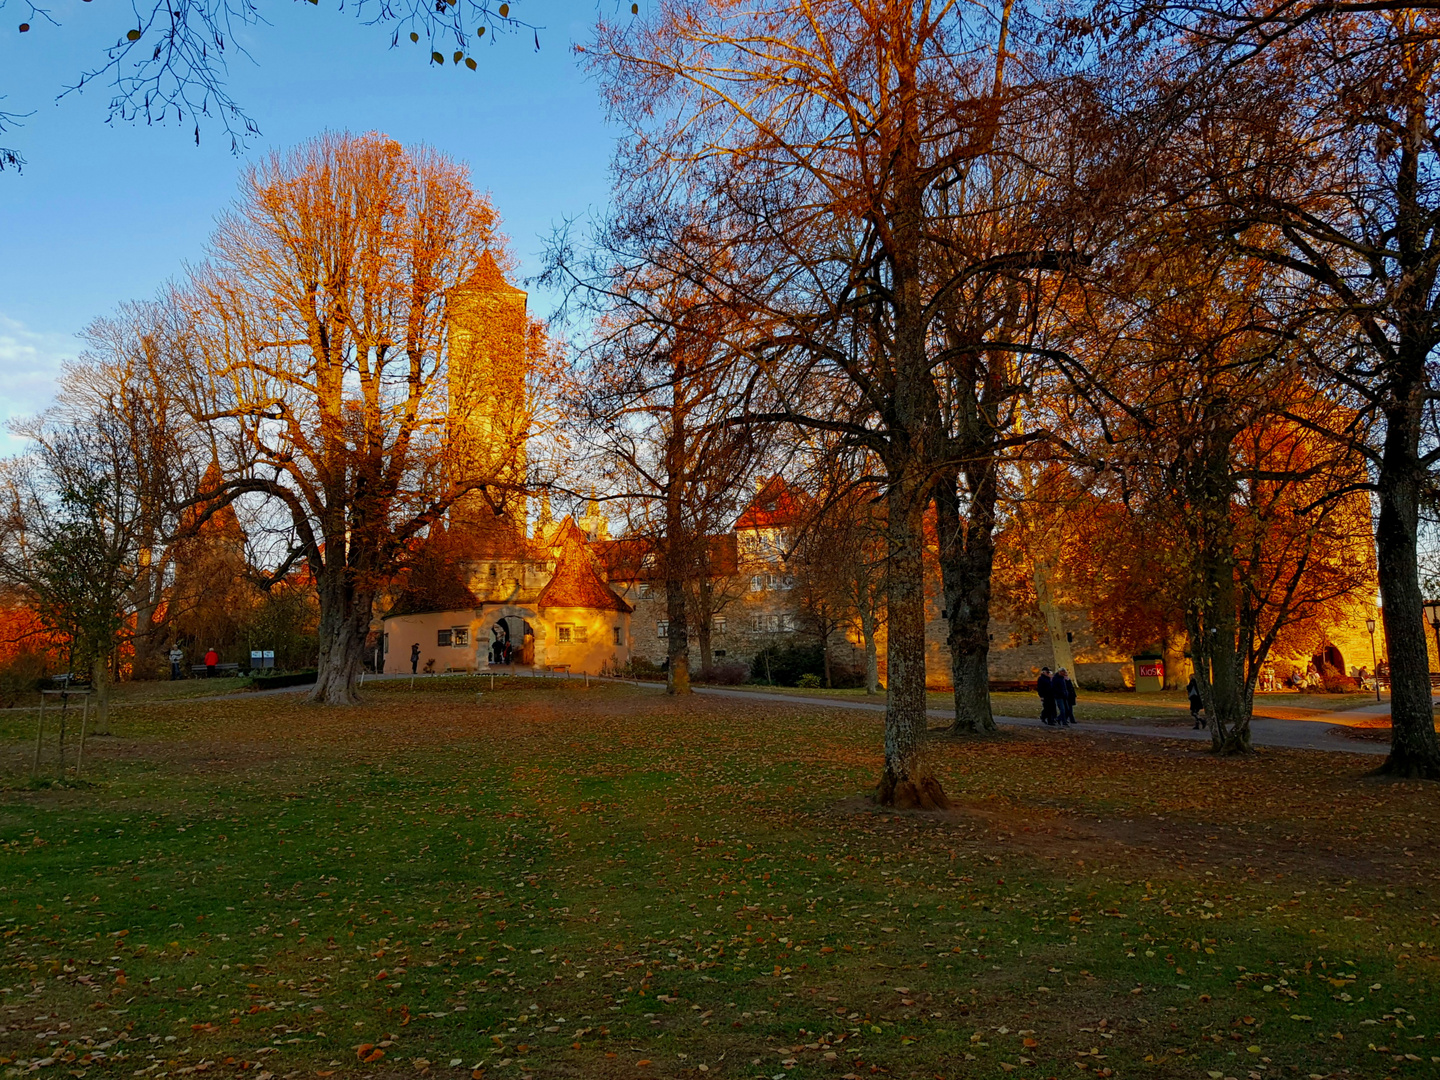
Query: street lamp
[
  {"x": 1432, "y": 616},
  {"x": 1375, "y": 663}
]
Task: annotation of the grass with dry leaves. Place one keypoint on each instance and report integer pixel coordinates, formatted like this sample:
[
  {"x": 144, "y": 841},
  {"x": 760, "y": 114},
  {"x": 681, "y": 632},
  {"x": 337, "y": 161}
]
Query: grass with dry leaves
[{"x": 550, "y": 881}]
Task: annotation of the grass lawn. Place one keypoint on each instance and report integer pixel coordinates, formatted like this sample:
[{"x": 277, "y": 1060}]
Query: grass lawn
[
  {"x": 1162, "y": 708},
  {"x": 546, "y": 881}
]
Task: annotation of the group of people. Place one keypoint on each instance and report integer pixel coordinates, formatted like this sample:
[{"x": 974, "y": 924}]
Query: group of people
[{"x": 1057, "y": 697}]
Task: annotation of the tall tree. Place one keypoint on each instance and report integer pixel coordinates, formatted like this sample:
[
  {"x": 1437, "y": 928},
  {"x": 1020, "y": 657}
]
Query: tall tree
[
  {"x": 70, "y": 534},
  {"x": 815, "y": 138},
  {"x": 1307, "y": 132},
  {"x": 661, "y": 385},
  {"x": 321, "y": 318}
]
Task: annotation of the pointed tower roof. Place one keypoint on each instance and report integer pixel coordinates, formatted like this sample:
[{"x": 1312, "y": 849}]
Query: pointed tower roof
[
  {"x": 223, "y": 521},
  {"x": 577, "y": 582},
  {"x": 487, "y": 277}
]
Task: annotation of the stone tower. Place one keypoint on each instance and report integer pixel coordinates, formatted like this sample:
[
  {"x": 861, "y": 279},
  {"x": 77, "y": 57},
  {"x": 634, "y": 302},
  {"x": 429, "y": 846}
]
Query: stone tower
[{"x": 489, "y": 412}]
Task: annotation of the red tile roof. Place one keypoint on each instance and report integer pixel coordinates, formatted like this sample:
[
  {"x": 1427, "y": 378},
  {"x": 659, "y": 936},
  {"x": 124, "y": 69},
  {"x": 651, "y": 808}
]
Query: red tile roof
[
  {"x": 773, "y": 507},
  {"x": 577, "y": 582}
]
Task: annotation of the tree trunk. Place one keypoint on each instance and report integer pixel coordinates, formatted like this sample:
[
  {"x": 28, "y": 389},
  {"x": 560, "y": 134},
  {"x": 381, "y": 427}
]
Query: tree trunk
[
  {"x": 967, "y": 556},
  {"x": 1172, "y": 648},
  {"x": 872, "y": 659},
  {"x": 1060, "y": 653},
  {"x": 907, "y": 781},
  {"x": 100, "y": 684},
  {"x": 825, "y": 653},
  {"x": 344, "y": 627},
  {"x": 677, "y": 640},
  {"x": 1414, "y": 750}
]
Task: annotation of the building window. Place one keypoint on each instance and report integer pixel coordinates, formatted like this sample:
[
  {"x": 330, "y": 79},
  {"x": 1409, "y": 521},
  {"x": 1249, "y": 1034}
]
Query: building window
[
  {"x": 564, "y": 633},
  {"x": 787, "y": 581},
  {"x": 385, "y": 644},
  {"x": 719, "y": 654},
  {"x": 757, "y": 583},
  {"x": 645, "y": 590},
  {"x": 459, "y": 636},
  {"x": 787, "y": 624},
  {"x": 494, "y": 573},
  {"x": 442, "y": 638},
  {"x": 767, "y": 624},
  {"x": 582, "y": 634},
  {"x": 717, "y": 625},
  {"x": 619, "y": 635},
  {"x": 662, "y": 628}
]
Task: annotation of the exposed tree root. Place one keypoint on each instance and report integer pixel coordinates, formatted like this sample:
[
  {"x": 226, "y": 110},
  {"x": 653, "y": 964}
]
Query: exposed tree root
[{"x": 924, "y": 793}]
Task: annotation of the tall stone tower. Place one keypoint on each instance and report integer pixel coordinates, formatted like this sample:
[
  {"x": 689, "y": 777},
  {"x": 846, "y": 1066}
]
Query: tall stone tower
[{"x": 489, "y": 411}]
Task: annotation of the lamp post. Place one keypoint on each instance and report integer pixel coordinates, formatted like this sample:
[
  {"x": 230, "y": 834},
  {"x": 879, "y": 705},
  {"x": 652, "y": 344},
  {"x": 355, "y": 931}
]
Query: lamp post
[
  {"x": 1374, "y": 662},
  {"x": 1432, "y": 616}
]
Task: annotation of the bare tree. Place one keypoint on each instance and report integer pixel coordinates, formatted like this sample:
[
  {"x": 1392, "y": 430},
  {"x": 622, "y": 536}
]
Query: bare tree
[
  {"x": 171, "y": 63},
  {"x": 321, "y": 317},
  {"x": 661, "y": 385},
  {"x": 815, "y": 139}
]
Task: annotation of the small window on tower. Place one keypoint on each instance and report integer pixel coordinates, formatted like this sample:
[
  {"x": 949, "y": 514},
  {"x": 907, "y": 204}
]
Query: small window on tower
[
  {"x": 565, "y": 633},
  {"x": 494, "y": 572},
  {"x": 619, "y": 635},
  {"x": 581, "y": 634},
  {"x": 662, "y": 628}
]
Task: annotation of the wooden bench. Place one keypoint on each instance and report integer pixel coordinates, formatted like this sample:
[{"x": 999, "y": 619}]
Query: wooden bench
[{"x": 201, "y": 669}]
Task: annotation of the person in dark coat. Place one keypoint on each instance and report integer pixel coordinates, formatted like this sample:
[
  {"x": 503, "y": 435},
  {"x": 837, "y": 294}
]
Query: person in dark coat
[
  {"x": 1064, "y": 690},
  {"x": 414, "y": 658},
  {"x": 1044, "y": 686},
  {"x": 1192, "y": 691}
]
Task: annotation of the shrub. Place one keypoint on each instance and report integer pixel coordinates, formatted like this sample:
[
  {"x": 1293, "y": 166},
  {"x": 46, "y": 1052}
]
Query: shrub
[
  {"x": 785, "y": 665},
  {"x": 731, "y": 673},
  {"x": 810, "y": 681},
  {"x": 637, "y": 667}
]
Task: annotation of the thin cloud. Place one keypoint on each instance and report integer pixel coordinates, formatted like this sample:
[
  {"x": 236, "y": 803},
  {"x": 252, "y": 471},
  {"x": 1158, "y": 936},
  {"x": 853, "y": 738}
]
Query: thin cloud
[{"x": 29, "y": 364}]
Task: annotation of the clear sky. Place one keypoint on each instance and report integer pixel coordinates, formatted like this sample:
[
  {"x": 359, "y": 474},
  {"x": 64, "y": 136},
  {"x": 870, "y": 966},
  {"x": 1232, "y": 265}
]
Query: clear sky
[{"x": 103, "y": 214}]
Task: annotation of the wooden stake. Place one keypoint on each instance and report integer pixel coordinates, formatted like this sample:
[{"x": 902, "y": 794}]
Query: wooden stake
[
  {"x": 84, "y": 723},
  {"x": 39, "y": 734}
]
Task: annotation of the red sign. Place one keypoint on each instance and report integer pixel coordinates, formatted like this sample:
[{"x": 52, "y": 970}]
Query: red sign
[{"x": 1154, "y": 669}]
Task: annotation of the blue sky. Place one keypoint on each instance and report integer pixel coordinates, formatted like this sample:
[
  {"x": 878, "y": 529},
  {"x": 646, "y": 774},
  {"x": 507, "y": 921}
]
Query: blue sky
[{"x": 103, "y": 214}]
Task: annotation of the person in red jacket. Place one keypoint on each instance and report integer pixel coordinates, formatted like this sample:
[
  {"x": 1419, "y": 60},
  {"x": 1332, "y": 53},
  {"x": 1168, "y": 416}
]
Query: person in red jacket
[{"x": 211, "y": 659}]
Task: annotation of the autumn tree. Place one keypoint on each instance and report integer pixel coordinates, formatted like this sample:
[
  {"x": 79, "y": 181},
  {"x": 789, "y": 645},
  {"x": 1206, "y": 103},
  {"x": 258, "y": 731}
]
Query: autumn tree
[
  {"x": 321, "y": 317},
  {"x": 816, "y": 139},
  {"x": 130, "y": 376},
  {"x": 1193, "y": 374},
  {"x": 661, "y": 384},
  {"x": 1305, "y": 135}
]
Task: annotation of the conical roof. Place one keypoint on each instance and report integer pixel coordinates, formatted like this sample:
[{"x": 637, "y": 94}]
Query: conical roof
[
  {"x": 577, "y": 582},
  {"x": 487, "y": 277}
]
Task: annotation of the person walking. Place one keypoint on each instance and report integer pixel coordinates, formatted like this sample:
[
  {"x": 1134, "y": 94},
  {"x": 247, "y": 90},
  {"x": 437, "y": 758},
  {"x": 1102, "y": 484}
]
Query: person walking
[
  {"x": 1045, "y": 688},
  {"x": 176, "y": 657},
  {"x": 1197, "y": 704},
  {"x": 1064, "y": 690},
  {"x": 414, "y": 658},
  {"x": 212, "y": 658}
]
